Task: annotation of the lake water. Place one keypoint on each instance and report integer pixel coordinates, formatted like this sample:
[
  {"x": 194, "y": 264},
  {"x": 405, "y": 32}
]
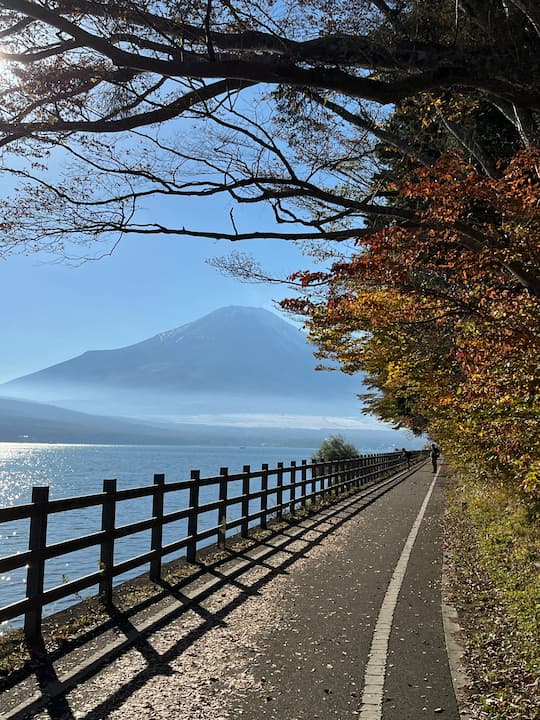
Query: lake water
[{"x": 73, "y": 470}]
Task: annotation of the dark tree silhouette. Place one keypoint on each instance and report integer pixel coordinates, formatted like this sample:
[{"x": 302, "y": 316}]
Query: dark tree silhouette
[{"x": 106, "y": 106}]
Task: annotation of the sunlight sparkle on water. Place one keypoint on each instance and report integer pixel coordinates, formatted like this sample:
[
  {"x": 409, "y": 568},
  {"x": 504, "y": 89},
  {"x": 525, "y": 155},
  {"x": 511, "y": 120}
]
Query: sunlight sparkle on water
[
  {"x": 24, "y": 465},
  {"x": 75, "y": 470}
]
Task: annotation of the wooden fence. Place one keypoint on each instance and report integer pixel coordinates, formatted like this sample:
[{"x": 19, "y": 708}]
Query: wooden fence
[{"x": 271, "y": 492}]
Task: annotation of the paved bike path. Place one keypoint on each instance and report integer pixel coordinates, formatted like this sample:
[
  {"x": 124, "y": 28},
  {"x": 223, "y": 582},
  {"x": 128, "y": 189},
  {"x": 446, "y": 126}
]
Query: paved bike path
[{"x": 315, "y": 667}]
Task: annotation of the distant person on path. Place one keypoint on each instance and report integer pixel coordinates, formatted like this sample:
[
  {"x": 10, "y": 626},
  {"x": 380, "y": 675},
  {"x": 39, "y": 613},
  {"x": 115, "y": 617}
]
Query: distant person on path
[
  {"x": 435, "y": 452},
  {"x": 407, "y": 454}
]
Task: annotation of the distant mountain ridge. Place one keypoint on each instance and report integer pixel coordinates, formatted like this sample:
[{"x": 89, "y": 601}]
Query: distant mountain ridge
[
  {"x": 27, "y": 422},
  {"x": 24, "y": 421},
  {"x": 235, "y": 359}
]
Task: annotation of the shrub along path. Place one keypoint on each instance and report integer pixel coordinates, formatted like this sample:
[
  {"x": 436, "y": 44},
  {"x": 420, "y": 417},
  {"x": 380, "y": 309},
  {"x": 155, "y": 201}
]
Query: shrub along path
[{"x": 335, "y": 616}]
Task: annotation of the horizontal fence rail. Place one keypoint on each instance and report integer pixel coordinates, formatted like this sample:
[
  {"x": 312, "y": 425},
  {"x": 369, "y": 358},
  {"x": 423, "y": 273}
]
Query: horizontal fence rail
[{"x": 264, "y": 495}]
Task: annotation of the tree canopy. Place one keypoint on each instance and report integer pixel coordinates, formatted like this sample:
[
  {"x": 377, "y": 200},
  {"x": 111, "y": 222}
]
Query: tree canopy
[
  {"x": 400, "y": 135},
  {"x": 335, "y": 447},
  {"x": 291, "y": 97},
  {"x": 449, "y": 339}
]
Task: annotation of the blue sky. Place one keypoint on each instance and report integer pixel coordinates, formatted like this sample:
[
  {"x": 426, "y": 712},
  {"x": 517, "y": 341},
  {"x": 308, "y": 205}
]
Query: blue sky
[{"x": 53, "y": 311}]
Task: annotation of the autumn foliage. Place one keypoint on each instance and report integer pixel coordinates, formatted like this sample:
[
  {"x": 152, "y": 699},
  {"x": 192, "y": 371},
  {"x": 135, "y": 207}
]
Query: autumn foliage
[{"x": 443, "y": 314}]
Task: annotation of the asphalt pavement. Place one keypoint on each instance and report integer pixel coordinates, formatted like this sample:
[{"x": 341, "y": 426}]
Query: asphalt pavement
[{"x": 316, "y": 666}]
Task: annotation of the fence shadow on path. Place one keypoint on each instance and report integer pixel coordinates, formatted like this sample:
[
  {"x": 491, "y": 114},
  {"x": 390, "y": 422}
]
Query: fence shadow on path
[{"x": 230, "y": 571}]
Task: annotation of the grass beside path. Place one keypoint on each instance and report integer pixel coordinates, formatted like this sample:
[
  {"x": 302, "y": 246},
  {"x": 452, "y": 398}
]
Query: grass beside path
[{"x": 493, "y": 540}]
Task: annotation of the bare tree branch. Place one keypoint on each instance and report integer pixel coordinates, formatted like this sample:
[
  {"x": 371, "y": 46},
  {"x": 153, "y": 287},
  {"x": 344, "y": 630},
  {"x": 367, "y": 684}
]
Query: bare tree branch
[
  {"x": 291, "y": 102},
  {"x": 367, "y": 124}
]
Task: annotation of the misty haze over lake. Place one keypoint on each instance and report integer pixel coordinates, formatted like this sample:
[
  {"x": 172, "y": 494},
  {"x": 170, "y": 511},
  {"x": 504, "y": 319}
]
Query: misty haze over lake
[
  {"x": 238, "y": 369},
  {"x": 234, "y": 360}
]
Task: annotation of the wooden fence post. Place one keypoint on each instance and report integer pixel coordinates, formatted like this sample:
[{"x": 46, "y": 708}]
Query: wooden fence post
[
  {"x": 35, "y": 574},
  {"x": 156, "y": 542},
  {"x": 292, "y": 494},
  {"x": 329, "y": 481},
  {"x": 264, "y": 496},
  {"x": 279, "y": 495},
  {"x": 318, "y": 473},
  {"x": 303, "y": 487},
  {"x": 108, "y": 519},
  {"x": 193, "y": 517},
  {"x": 222, "y": 510},
  {"x": 244, "y": 529}
]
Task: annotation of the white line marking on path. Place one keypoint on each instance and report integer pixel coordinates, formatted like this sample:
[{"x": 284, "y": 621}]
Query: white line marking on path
[{"x": 372, "y": 695}]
